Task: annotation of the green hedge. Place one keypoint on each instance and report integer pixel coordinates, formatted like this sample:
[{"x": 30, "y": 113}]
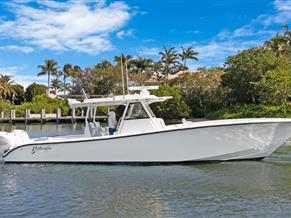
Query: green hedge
[
  {"x": 175, "y": 108},
  {"x": 251, "y": 111},
  {"x": 5, "y": 107},
  {"x": 43, "y": 101}
]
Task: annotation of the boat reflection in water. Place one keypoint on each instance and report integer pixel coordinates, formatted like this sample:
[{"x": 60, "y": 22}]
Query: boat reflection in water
[{"x": 251, "y": 188}]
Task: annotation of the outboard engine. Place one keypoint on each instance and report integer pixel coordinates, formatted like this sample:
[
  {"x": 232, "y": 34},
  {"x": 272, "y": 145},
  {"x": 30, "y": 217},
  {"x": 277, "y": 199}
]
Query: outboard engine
[{"x": 9, "y": 140}]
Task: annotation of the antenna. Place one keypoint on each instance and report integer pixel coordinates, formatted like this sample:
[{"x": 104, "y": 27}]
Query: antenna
[
  {"x": 126, "y": 73},
  {"x": 121, "y": 63}
]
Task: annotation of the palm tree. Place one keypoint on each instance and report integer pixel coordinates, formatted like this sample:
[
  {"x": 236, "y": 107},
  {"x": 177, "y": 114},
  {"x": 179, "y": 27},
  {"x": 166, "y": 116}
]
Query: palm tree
[
  {"x": 56, "y": 84},
  {"x": 280, "y": 44},
  {"x": 287, "y": 32},
  {"x": 75, "y": 72},
  {"x": 188, "y": 53},
  {"x": 50, "y": 68},
  {"x": 141, "y": 65},
  {"x": 125, "y": 63},
  {"x": 169, "y": 60},
  {"x": 287, "y": 35},
  {"x": 6, "y": 86},
  {"x": 104, "y": 65},
  {"x": 157, "y": 67},
  {"x": 123, "y": 58},
  {"x": 71, "y": 71},
  {"x": 66, "y": 73}
]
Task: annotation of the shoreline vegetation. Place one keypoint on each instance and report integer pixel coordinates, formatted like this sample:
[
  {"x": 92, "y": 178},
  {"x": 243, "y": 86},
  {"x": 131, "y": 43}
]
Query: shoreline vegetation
[{"x": 255, "y": 82}]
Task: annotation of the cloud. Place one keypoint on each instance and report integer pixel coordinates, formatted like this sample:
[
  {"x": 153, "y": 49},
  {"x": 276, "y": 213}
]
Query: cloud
[
  {"x": 255, "y": 33},
  {"x": 263, "y": 25},
  {"x": 17, "y": 48},
  {"x": 124, "y": 33},
  {"x": 228, "y": 42},
  {"x": 149, "y": 51},
  {"x": 23, "y": 80},
  {"x": 284, "y": 11},
  {"x": 8, "y": 70},
  {"x": 254, "y": 29},
  {"x": 211, "y": 53},
  {"x": 52, "y": 4},
  {"x": 243, "y": 31},
  {"x": 65, "y": 26},
  {"x": 215, "y": 52},
  {"x": 282, "y": 5}
]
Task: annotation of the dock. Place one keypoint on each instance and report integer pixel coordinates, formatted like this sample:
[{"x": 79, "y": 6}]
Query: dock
[{"x": 43, "y": 117}]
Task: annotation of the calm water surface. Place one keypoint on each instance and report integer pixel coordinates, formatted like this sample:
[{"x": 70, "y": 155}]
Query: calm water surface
[{"x": 226, "y": 189}]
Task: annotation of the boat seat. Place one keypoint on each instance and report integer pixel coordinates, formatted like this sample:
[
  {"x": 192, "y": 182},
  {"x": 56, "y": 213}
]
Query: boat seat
[
  {"x": 92, "y": 128},
  {"x": 96, "y": 129},
  {"x": 97, "y": 124}
]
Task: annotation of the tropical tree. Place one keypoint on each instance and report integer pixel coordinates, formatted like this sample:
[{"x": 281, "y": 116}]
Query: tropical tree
[
  {"x": 175, "y": 108},
  {"x": 124, "y": 61},
  {"x": 188, "y": 53},
  {"x": 157, "y": 68},
  {"x": 33, "y": 90},
  {"x": 280, "y": 44},
  {"x": 56, "y": 84},
  {"x": 287, "y": 35},
  {"x": 287, "y": 32},
  {"x": 277, "y": 45},
  {"x": 104, "y": 65},
  {"x": 6, "y": 86},
  {"x": 72, "y": 72},
  {"x": 169, "y": 59},
  {"x": 275, "y": 86},
  {"x": 203, "y": 92},
  {"x": 49, "y": 68},
  {"x": 243, "y": 70},
  {"x": 66, "y": 73},
  {"x": 75, "y": 72},
  {"x": 124, "y": 58},
  {"x": 18, "y": 97},
  {"x": 141, "y": 65}
]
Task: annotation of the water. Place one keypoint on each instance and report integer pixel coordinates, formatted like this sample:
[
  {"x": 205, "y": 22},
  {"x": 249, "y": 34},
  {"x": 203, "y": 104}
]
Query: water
[{"x": 226, "y": 189}]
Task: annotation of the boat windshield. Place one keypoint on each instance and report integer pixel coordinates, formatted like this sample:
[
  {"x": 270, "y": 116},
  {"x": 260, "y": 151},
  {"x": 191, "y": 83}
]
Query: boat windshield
[{"x": 135, "y": 111}]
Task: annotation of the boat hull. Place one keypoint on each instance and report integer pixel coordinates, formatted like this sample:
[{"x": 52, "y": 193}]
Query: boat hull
[
  {"x": 198, "y": 143},
  {"x": 204, "y": 143}
]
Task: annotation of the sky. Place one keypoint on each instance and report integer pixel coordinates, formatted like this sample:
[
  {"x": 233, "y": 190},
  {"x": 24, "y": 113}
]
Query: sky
[{"x": 84, "y": 33}]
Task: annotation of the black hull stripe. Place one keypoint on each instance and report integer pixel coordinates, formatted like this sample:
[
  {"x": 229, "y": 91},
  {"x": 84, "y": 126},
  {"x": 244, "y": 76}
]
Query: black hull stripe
[
  {"x": 140, "y": 134},
  {"x": 135, "y": 163}
]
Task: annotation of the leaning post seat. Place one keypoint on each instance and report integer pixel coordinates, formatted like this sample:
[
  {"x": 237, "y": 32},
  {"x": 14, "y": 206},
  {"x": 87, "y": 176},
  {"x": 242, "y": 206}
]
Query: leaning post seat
[{"x": 96, "y": 129}]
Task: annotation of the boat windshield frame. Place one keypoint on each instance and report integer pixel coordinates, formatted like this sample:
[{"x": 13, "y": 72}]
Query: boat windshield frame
[{"x": 130, "y": 111}]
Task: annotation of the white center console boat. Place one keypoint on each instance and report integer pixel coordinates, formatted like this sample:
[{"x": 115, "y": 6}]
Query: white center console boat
[{"x": 141, "y": 137}]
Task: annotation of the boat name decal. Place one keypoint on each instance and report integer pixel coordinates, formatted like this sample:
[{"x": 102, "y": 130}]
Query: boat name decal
[{"x": 40, "y": 148}]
